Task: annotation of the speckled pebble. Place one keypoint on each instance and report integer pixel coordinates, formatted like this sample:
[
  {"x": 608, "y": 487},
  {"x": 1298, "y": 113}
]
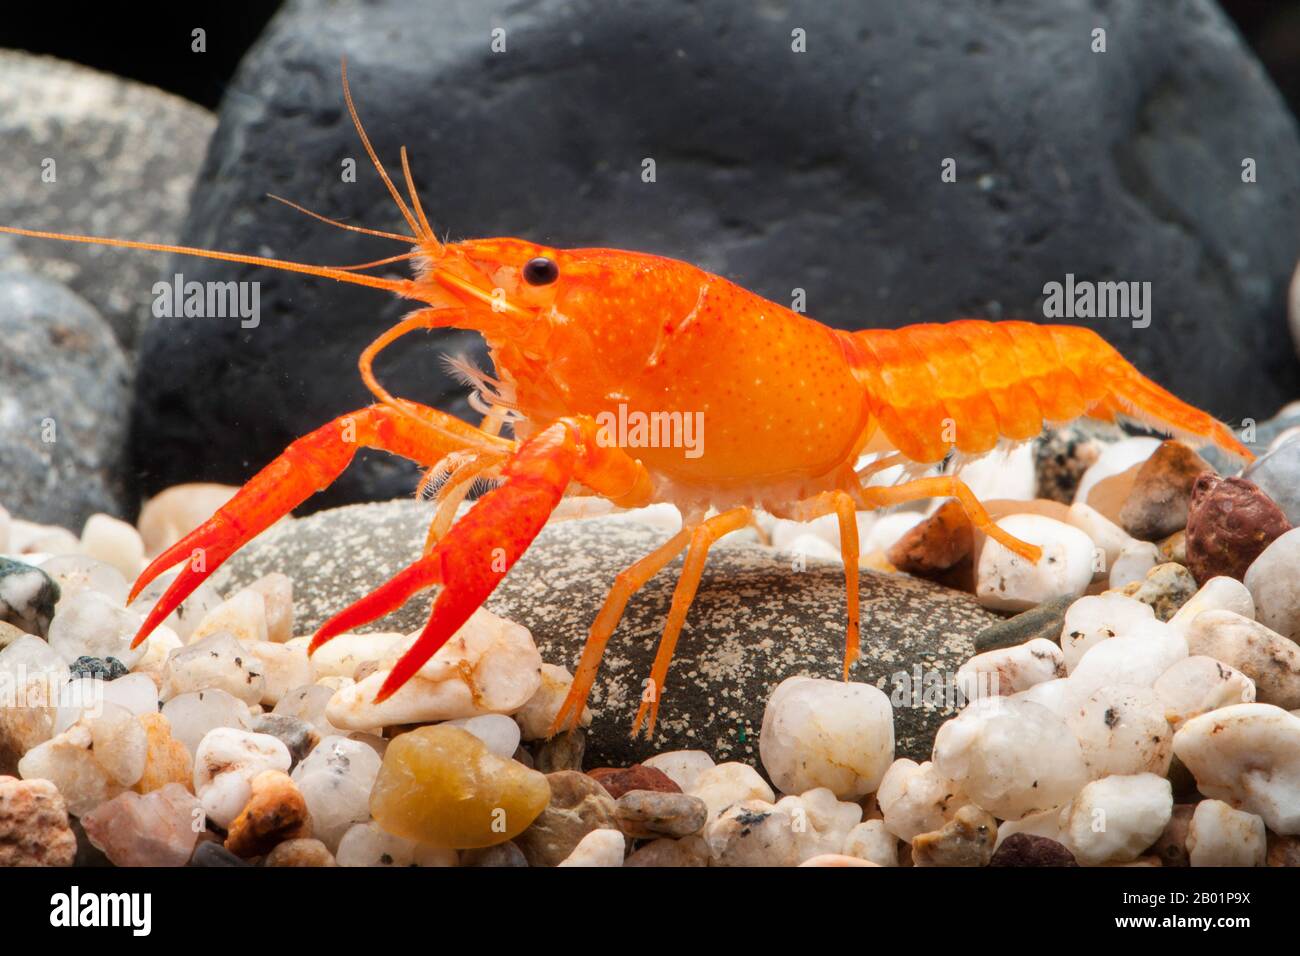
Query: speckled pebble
[
  {"x": 1012, "y": 758},
  {"x": 1275, "y": 586},
  {"x": 1005, "y": 581},
  {"x": 302, "y": 852},
  {"x": 27, "y": 596},
  {"x": 1270, "y": 660},
  {"x": 827, "y": 733}
]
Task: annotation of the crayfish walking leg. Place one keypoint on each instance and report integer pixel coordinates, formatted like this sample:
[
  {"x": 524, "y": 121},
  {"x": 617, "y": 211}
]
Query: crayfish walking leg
[
  {"x": 946, "y": 486},
  {"x": 702, "y": 538},
  {"x": 628, "y": 582},
  {"x": 841, "y": 504}
]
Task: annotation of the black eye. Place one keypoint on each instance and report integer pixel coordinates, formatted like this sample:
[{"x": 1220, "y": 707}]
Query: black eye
[{"x": 541, "y": 271}]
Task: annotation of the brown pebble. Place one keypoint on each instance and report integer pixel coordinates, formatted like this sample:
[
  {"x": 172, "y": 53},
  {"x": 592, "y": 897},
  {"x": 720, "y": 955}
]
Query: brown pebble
[
  {"x": 689, "y": 852},
  {"x": 936, "y": 544},
  {"x": 274, "y": 813},
  {"x": 1157, "y": 505},
  {"x": 34, "y": 828},
  {"x": 644, "y": 814},
  {"x": 578, "y": 805},
  {"x": 965, "y": 840},
  {"x": 1282, "y": 850},
  {"x": 1172, "y": 845},
  {"x": 1028, "y": 849}
]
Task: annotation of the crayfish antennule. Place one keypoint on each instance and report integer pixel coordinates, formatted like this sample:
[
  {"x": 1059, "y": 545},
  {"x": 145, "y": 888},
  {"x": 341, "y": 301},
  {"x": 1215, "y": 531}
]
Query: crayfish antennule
[
  {"x": 374, "y": 157},
  {"x": 429, "y": 235},
  {"x": 342, "y": 225}
]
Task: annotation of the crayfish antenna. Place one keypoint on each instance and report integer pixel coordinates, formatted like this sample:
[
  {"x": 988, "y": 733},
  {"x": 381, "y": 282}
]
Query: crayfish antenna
[{"x": 403, "y": 287}]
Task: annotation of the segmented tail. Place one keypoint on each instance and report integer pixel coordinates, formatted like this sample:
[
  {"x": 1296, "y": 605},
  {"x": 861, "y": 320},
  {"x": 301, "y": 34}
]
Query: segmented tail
[
  {"x": 971, "y": 384},
  {"x": 1134, "y": 396}
]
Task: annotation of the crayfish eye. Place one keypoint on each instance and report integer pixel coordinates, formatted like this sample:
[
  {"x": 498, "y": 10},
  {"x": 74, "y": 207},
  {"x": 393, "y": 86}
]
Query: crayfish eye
[{"x": 541, "y": 271}]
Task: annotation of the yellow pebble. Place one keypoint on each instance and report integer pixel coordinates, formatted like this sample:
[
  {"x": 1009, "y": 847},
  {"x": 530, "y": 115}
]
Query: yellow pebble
[{"x": 441, "y": 786}]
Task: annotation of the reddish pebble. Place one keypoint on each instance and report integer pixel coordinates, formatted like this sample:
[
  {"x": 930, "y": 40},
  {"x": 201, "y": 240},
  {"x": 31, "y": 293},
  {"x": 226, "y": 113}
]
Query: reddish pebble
[
  {"x": 1028, "y": 849},
  {"x": 1229, "y": 523},
  {"x": 619, "y": 780}
]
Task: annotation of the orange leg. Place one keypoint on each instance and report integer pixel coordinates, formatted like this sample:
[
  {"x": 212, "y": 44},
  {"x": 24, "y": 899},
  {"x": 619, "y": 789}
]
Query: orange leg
[
  {"x": 484, "y": 545},
  {"x": 628, "y": 582},
  {"x": 946, "y": 486},
  {"x": 880, "y": 464},
  {"x": 702, "y": 538},
  {"x": 308, "y": 465},
  {"x": 842, "y": 505}
]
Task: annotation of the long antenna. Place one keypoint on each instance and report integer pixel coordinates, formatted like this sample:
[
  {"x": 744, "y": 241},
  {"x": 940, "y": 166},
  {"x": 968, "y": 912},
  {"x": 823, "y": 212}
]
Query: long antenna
[{"x": 402, "y": 287}]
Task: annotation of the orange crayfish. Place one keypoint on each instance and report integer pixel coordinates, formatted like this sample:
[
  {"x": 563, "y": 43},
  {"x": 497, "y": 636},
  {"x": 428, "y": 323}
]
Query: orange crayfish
[{"x": 789, "y": 408}]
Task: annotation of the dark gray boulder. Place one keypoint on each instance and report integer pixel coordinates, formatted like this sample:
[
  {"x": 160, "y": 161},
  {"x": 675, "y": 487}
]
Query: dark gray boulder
[
  {"x": 755, "y": 622},
  {"x": 782, "y": 170},
  {"x": 64, "y": 402},
  {"x": 125, "y": 156}
]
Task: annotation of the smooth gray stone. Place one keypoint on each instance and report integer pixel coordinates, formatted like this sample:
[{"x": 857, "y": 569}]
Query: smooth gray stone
[
  {"x": 125, "y": 158},
  {"x": 65, "y": 401},
  {"x": 754, "y": 623}
]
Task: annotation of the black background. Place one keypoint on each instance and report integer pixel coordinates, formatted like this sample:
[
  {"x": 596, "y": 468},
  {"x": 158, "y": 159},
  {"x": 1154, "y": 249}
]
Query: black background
[{"x": 103, "y": 40}]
